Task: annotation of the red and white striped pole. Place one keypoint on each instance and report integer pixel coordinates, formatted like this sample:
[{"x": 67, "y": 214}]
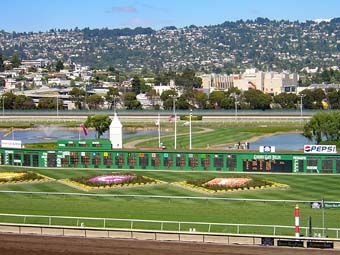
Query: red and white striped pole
[{"x": 297, "y": 221}]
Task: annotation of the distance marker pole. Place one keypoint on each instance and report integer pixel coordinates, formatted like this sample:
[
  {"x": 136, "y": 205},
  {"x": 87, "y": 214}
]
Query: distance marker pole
[{"x": 297, "y": 221}]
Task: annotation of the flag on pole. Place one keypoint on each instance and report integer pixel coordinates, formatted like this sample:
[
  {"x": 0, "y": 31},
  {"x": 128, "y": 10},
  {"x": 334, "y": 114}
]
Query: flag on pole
[
  {"x": 84, "y": 129},
  {"x": 172, "y": 118},
  {"x": 8, "y": 133}
]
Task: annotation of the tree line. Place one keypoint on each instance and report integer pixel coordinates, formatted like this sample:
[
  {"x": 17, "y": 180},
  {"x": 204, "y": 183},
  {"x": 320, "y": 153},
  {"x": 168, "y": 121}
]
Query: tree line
[{"x": 188, "y": 99}]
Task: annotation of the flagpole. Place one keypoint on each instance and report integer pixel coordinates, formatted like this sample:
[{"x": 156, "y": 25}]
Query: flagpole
[
  {"x": 190, "y": 140},
  {"x": 159, "y": 132},
  {"x": 174, "y": 113}
]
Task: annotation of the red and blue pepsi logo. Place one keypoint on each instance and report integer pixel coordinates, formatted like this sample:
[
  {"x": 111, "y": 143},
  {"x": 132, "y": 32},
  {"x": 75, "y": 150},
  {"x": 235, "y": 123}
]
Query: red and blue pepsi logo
[{"x": 320, "y": 149}]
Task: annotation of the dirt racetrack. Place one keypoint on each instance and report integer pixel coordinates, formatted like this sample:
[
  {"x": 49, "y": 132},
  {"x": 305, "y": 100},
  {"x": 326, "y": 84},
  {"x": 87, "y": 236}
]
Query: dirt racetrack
[{"x": 11, "y": 244}]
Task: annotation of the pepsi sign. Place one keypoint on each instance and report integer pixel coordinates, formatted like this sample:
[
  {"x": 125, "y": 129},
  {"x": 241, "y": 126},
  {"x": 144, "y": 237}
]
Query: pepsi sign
[{"x": 320, "y": 149}]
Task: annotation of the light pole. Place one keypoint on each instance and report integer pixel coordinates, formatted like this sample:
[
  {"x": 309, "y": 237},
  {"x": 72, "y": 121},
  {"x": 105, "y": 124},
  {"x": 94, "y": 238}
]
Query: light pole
[
  {"x": 114, "y": 103},
  {"x": 174, "y": 112},
  {"x": 159, "y": 131},
  {"x": 236, "y": 102},
  {"x": 190, "y": 136},
  {"x": 323, "y": 217},
  {"x": 3, "y": 105},
  {"x": 301, "y": 105},
  {"x": 57, "y": 105}
]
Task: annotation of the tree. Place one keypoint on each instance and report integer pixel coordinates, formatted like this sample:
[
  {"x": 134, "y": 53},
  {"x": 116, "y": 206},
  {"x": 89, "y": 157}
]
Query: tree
[
  {"x": 323, "y": 125},
  {"x": 94, "y": 101},
  {"x": 100, "y": 123},
  {"x": 152, "y": 96},
  {"x": 136, "y": 85},
  {"x": 188, "y": 80},
  {"x": 78, "y": 97},
  {"x": 112, "y": 97},
  {"x": 313, "y": 98},
  {"x": 59, "y": 65},
  {"x": 167, "y": 98},
  {"x": 286, "y": 100},
  {"x": 216, "y": 98},
  {"x": 2, "y": 66},
  {"x": 15, "y": 60},
  {"x": 49, "y": 103},
  {"x": 22, "y": 102},
  {"x": 131, "y": 102},
  {"x": 257, "y": 99},
  {"x": 9, "y": 99}
]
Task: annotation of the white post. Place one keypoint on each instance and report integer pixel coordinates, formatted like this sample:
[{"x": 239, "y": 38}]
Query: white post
[
  {"x": 297, "y": 221},
  {"x": 323, "y": 217},
  {"x": 3, "y": 105},
  {"x": 190, "y": 140},
  {"x": 159, "y": 131},
  {"x": 236, "y": 107},
  {"x": 174, "y": 112},
  {"x": 301, "y": 106}
]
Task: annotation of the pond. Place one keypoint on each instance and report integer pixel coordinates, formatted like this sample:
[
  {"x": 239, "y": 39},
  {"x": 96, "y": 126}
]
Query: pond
[
  {"x": 54, "y": 133},
  {"x": 287, "y": 141}
]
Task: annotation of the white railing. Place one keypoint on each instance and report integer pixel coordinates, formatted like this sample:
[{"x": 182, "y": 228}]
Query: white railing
[{"x": 158, "y": 225}]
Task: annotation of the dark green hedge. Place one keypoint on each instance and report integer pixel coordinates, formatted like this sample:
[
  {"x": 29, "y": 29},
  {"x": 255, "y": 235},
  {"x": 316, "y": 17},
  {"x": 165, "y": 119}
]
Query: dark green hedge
[{"x": 187, "y": 117}]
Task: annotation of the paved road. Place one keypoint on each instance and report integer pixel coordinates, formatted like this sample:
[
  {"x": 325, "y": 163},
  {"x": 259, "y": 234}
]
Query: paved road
[{"x": 11, "y": 244}]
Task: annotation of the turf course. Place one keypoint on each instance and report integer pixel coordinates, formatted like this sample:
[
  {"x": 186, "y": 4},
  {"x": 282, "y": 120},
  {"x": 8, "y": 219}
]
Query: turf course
[{"x": 302, "y": 187}]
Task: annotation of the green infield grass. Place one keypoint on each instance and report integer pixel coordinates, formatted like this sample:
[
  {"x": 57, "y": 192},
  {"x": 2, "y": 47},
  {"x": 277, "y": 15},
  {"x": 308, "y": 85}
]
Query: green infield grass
[{"x": 301, "y": 187}]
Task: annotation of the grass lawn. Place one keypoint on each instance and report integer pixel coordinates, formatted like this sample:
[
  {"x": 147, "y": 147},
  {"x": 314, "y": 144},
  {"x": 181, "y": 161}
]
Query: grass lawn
[
  {"x": 302, "y": 187},
  {"x": 210, "y": 135}
]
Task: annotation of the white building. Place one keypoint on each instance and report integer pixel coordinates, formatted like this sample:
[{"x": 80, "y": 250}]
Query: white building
[
  {"x": 268, "y": 82},
  {"x": 116, "y": 133}
]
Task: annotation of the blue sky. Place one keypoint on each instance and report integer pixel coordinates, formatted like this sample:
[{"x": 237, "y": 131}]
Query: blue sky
[{"x": 43, "y": 15}]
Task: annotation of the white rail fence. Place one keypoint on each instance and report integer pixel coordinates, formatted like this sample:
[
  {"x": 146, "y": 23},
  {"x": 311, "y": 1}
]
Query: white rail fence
[{"x": 157, "y": 225}]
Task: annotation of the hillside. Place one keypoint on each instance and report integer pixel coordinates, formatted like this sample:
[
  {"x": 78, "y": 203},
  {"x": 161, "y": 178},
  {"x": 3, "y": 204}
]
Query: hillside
[{"x": 263, "y": 43}]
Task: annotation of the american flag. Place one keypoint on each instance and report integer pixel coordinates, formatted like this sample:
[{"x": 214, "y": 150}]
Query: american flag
[
  {"x": 172, "y": 118},
  {"x": 84, "y": 129}
]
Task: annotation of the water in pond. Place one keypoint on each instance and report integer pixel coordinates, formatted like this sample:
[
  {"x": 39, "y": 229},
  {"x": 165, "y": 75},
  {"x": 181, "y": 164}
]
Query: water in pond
[
  {"x": 288, "y": 141},
  {"x": 54, "y": 133}
]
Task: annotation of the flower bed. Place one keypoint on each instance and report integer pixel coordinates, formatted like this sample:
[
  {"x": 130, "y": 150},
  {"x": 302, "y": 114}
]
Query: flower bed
[
  {"x": 21, "y": 177},
  {"x": 230, "y": 184},
  {"x": 115, "y": 180}
]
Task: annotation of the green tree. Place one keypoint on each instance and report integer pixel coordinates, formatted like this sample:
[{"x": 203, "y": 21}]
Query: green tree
[
  {"x": 49, "y": 103},
  {"x": 216, "y": 98},
  {"x": 15, "y": 60},
  {"x": 78, "y": 97},
  {"x": 201, "y": 99},
  {"x": 100, "y": 123},
  {"x": 168, "y": 100},
  {"x": 94, "y": 101},
  {"x": 2, "y": 66},
  {"x": 112, "y": 97},
  {"x": 312, "y": 99},
  {"x": 152, "y": 96},
  {"x": 136, "y": 84},
  {"x": 131, "y": 102},
  {"x": 188, "y": 80},
  {"x": 22, "y": 102},
  {"x": 323, "y": 126},
  {"x": 59, "y": 65},
  {"x": 286, "y": 100},
  {"x": 9, "y": 99},
  {"x": 257, "y": 99}
]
